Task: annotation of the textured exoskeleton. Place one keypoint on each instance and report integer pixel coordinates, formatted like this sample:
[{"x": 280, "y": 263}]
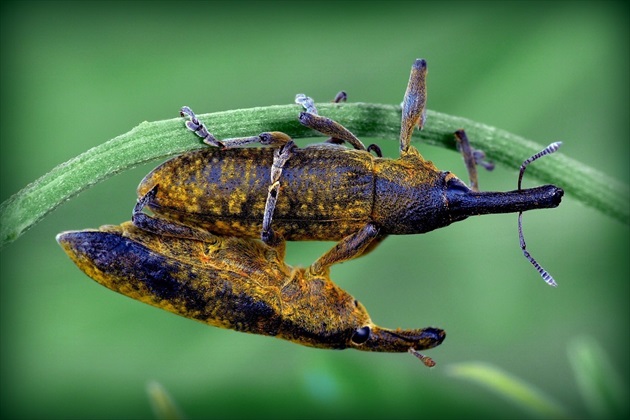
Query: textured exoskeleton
[
  {"x": 321, "y": 192},
  {"x": 236, "y": 283}
]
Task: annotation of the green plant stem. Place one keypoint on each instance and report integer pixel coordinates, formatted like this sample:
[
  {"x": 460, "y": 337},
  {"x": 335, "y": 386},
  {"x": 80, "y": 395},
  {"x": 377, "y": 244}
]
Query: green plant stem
[
  {"x": 160, "y": 139},
  {"x": 513, "y": 389}
]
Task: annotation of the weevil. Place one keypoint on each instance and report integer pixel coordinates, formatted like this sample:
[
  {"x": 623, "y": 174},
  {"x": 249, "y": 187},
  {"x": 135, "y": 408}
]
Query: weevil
[
  {"x": 236, "y": 283},
  {"x": 326, "y": 191}
]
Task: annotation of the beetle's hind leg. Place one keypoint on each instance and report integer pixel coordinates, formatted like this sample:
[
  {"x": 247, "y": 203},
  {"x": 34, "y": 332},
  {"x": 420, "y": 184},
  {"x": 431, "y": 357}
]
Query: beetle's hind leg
[
  {"x": 197, "y": 127},
  {"x": 272, "y": 138},
  {"x": 472, "y": 158},
  {"x": 311, "y": 118}
]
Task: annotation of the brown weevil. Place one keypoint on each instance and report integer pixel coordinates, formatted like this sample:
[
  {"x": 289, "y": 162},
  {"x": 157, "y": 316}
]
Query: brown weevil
[
  {"x": 325, "y": 191},
  {"x": 236, "y": 283}
]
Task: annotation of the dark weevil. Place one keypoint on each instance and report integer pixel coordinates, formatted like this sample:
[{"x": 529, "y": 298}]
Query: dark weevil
[
  {"x": 325, "y": 191},
  {"x": 236, "y": 283}
]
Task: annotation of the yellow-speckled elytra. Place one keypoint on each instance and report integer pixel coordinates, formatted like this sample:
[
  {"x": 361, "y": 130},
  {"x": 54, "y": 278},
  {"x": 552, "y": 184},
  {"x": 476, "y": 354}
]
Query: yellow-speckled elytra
[
  {"x": 236, "y": 283},
  {"x": 322, "y": 192}
]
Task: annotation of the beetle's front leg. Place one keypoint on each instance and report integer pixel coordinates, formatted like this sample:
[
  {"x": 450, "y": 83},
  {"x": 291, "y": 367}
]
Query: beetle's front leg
[
  {"x": 310, "y": 118},
  {"x": 350, "y": 247}
]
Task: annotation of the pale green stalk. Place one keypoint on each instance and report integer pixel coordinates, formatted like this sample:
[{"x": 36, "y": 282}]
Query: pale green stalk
[{"x": 513, "y": 389}]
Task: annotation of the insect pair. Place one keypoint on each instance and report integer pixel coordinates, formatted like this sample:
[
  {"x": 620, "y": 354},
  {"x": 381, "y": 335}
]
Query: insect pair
[{"x": 199, "y": 255}]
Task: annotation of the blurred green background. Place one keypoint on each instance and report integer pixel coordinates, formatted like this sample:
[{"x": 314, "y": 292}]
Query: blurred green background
[{"x": 77, "y": 74}]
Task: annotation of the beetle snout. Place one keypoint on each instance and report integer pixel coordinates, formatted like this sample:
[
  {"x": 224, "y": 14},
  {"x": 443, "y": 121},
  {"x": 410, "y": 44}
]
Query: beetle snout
[
  {"x": 400, "y": 341},
  {"x": 469, "y": 203}
]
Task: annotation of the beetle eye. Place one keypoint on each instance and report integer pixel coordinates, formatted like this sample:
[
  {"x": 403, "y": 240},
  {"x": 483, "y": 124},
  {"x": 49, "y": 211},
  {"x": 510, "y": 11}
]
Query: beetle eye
[{"x": 361, "y": 335}]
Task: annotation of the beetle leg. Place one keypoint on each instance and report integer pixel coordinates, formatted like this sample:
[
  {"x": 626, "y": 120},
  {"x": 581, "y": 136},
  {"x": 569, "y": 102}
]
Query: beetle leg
[
  {"x": 348, "y": 248},
  {"x": 280, "y": 158},
  {"x": 414, "y": 104},
  {"x": 472, "y": 158},
  {"x": 372, "y": 245},
  {"x": 268, "y": 236},
  {"x": 273, "y": 138},
  {"x": 165, "y": 227},
  {"x": 310, "y": 118},
  {"x": 310, "y": 107},
  {"x": 197, "y": 127},
  {"x": 469, "y": 159},
  {"x": 341, "y": 96}
]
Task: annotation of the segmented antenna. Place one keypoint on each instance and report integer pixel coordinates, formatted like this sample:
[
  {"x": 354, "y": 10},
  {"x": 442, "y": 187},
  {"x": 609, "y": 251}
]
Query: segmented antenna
[
  {"x": 428, "y": 362},
  {"x": 543, "y": 273},
  {"x": 546, "y": 151}
]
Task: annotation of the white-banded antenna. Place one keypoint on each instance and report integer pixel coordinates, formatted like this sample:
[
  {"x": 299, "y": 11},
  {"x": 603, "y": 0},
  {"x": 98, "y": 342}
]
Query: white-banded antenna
[{"x": 543, "y": 273}]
